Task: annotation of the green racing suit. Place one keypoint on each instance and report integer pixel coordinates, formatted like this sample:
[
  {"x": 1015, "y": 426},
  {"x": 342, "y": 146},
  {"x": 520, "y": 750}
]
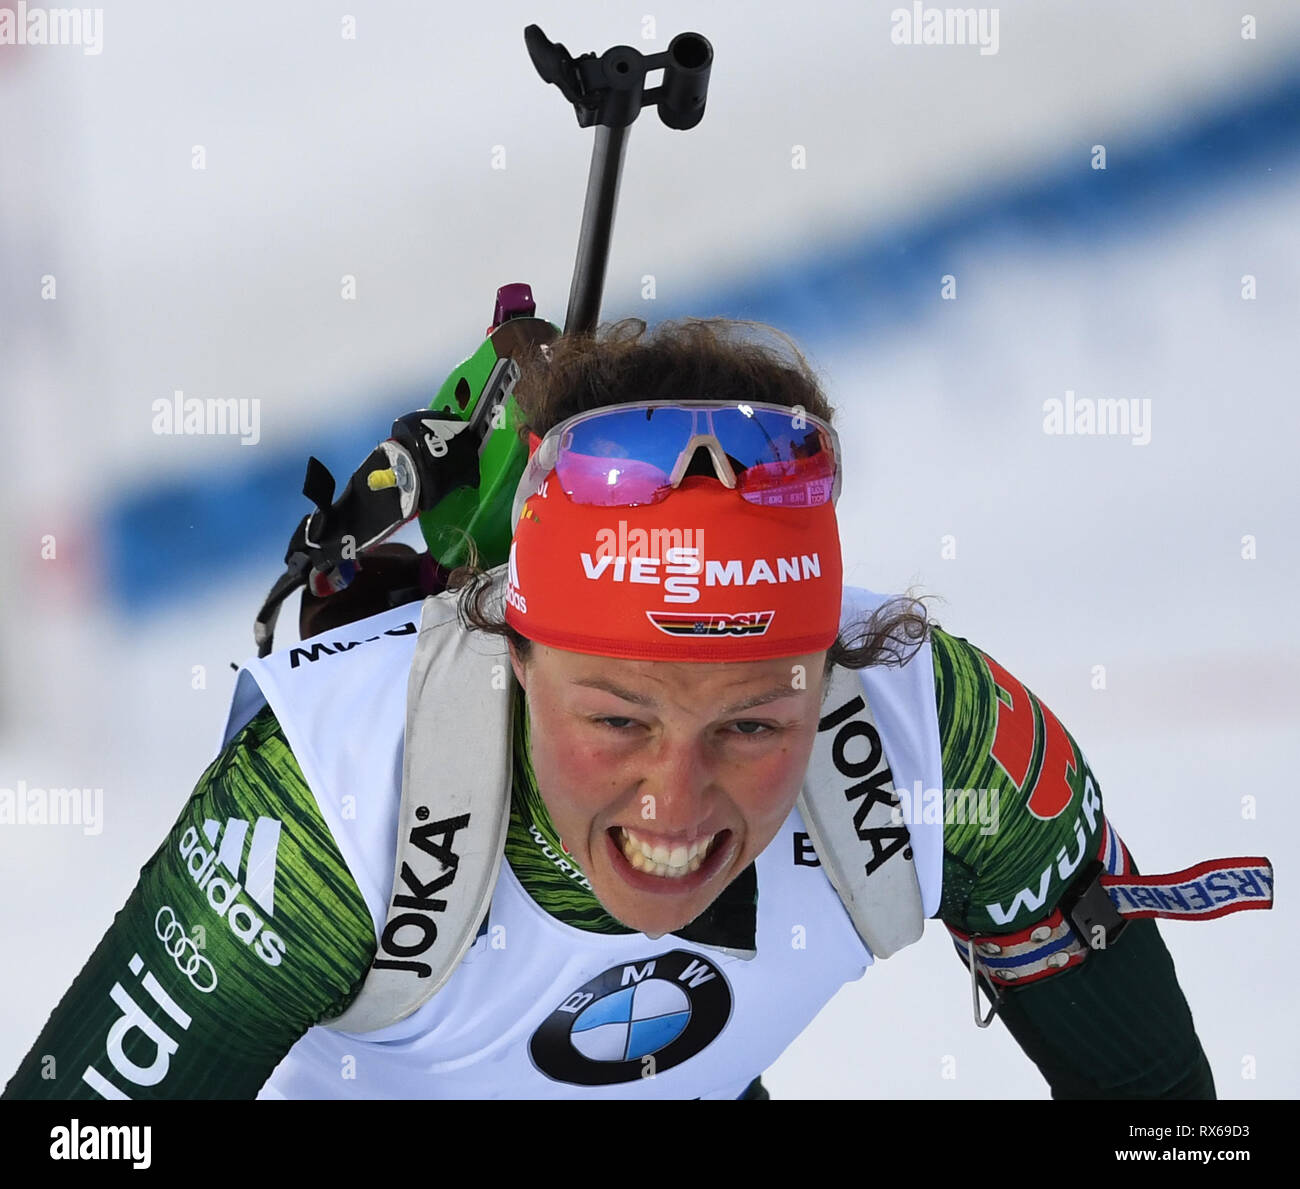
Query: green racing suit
[{"x": 1116, "y": 1026}]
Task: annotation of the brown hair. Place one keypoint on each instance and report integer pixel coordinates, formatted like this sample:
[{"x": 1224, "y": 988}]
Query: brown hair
[{"x": 690, "y": 359}]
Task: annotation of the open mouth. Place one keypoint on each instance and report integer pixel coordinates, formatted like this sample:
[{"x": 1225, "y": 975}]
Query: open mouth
[{"x": 651, "y": 857}]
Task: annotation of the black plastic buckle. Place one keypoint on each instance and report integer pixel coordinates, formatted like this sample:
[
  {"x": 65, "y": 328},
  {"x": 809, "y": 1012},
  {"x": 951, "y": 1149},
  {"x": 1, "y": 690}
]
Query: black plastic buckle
[{"x": 1088, "y": 907}]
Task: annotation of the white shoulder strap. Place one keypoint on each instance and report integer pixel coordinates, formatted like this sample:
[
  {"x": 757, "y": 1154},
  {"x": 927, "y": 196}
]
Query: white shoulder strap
[
  {"x": 451, "y": 829},
  {"x": 848, "y": 804}
]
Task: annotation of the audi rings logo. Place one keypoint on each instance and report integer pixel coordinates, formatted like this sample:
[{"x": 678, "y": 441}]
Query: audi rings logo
[{"x": 184, "y": 952}]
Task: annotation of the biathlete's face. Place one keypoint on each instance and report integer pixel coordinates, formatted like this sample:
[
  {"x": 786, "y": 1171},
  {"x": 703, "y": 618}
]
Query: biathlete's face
[{"x": 666, "y": 779}]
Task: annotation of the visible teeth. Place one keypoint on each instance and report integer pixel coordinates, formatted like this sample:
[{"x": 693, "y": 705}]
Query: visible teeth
[{"x": 657, "y": 859}]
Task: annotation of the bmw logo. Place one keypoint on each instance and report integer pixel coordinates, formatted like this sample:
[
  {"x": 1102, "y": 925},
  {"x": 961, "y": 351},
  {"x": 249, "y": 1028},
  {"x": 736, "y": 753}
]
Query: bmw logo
[{"x": 636, "y": 1018}]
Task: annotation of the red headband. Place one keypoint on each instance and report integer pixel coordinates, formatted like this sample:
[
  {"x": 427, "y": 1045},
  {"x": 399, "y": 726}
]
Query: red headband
[{"x": 700, "y": 576}]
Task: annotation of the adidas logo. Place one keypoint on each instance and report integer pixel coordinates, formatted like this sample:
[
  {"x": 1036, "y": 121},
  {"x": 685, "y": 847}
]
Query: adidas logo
[
  {"x": 437, "y": 434},
  {"x": 225, "y": 852}
]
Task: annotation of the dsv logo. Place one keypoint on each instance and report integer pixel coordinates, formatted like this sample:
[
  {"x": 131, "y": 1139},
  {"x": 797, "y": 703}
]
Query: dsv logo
[
  {"x": 736, "y": 623},
  {"x": 192, "y": 964}
]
